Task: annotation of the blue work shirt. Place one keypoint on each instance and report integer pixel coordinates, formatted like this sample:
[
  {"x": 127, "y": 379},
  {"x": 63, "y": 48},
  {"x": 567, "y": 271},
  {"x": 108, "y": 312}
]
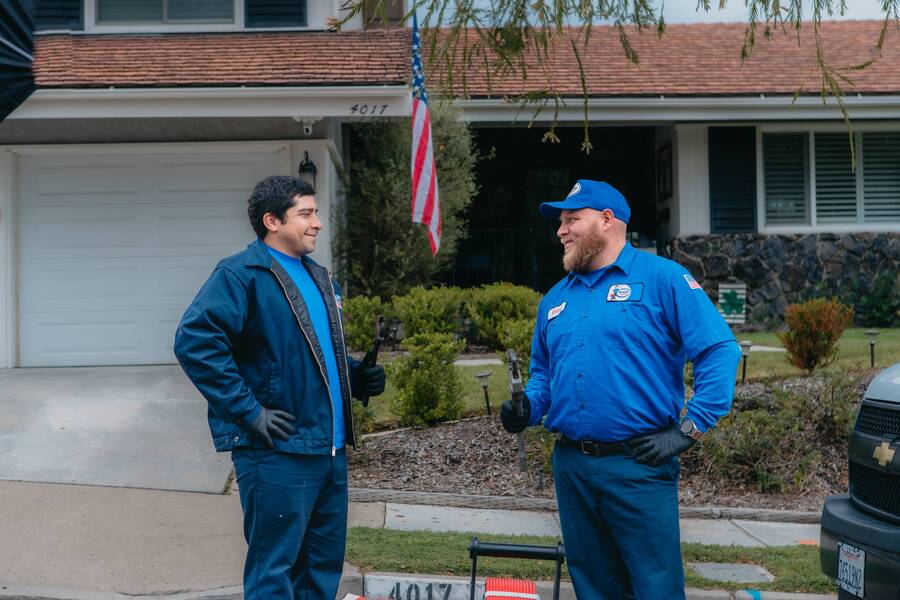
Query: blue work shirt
[
  {"x": 322, "y": 326},
  {"x": 609, "y": 348}
]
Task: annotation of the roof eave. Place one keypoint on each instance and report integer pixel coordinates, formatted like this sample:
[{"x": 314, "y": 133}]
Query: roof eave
[{"x": 222, "y": 102}]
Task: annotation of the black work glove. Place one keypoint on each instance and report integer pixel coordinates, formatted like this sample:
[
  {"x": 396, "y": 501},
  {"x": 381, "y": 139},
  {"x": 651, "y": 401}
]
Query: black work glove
[
  {"x": 368, "y": 381},
  {"x": 273, "y": 422},
  {"x": 512, "y": 422},
  {"x": 657, "y": 448}
]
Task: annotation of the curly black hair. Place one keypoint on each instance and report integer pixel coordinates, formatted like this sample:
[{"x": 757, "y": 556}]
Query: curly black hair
[{"x": 274, "y": 195}]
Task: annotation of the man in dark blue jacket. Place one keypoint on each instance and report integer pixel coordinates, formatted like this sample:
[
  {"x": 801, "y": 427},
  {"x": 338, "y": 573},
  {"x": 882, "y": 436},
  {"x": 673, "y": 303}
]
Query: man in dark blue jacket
[{"x": 264, "y": 344}]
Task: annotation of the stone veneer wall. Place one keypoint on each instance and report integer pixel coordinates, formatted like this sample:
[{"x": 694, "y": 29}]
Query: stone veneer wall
[{"x": 782, "y": 269}]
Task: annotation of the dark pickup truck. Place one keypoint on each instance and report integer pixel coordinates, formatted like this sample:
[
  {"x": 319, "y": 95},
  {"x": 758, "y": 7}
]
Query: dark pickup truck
[{"x": 860, "y": 546}]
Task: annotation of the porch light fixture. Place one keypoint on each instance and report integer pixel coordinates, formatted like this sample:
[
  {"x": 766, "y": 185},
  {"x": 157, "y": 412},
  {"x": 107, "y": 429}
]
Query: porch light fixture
[
  {"x": 482, "y": 377},
  {"x": 745, "y": 353},
  {"x": 872, "y": 334},
  {"x": 307, "y": 170}
]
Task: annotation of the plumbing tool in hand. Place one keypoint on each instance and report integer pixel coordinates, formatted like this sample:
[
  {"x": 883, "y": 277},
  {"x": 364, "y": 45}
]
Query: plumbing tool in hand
[
  {"x": 371, "y": 356},
  {"x": 517, "y": 393}
]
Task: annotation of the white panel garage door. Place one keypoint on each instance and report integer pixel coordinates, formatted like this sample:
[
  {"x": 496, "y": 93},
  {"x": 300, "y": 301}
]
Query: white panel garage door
[{"x": 113, "y": 247}]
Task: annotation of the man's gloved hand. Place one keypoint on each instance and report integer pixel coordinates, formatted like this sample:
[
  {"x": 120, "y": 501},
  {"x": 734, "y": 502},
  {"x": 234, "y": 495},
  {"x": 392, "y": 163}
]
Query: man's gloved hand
[
  {"x": 657, "y": 448},
  {"x": 273, "y": 422},
  {"x": 369, "y": 381},
  {"x": 512, "y": 422}
]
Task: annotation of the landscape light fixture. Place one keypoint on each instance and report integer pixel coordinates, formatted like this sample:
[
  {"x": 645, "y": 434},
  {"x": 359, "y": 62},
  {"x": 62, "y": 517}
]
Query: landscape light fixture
[
  {"x": 482, "y": 377},
  {"x": 745, "y": 353},
  {"x": 872, "y": 334}
]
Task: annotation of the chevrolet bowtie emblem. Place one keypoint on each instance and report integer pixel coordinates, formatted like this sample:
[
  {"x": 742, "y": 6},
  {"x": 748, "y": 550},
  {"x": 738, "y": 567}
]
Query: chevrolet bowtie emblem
[{"x": 884, "y": 454}]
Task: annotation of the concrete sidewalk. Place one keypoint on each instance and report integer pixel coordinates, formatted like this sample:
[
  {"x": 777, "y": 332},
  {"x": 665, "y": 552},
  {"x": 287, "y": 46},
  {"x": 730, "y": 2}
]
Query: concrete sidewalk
[{"x": 77, "y": 542}]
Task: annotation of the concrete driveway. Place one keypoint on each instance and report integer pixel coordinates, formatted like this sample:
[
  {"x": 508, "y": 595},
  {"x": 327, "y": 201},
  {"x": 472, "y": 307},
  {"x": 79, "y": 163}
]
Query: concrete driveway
[{"x": 140, "y": 427}]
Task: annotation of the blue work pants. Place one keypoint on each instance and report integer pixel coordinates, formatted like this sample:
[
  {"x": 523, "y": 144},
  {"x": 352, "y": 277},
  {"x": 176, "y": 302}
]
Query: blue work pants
[
  {"x": 295, "y": 523},
  {"x": 619, "y": 523}
]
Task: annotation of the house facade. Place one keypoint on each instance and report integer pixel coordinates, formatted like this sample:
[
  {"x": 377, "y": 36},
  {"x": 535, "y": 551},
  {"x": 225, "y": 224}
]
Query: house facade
[{"x": 125, "y": 176}]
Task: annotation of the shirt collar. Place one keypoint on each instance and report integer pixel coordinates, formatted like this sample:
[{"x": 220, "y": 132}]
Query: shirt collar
[
  {"x": 623, "y": 262},
  {"x": 281, "y": 256}
]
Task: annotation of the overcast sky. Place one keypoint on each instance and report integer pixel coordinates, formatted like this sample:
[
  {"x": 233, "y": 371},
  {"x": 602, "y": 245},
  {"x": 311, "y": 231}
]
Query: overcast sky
[{"x": 735, "y": 11}]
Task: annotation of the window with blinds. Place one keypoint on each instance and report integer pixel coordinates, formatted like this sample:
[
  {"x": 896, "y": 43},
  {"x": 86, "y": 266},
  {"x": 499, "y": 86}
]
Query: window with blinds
[
  {"x": 881, "y": 177},
  {"x": 842, "y": 195},
  {"x": 835, "y": 179},
  {"x": 165, "y": 11},
  {"x": 785, "y": 178}
]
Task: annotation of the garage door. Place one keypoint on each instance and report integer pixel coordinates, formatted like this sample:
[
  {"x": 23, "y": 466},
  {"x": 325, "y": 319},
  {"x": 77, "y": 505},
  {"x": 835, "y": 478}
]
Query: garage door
[{"x": 113, "y": 247}]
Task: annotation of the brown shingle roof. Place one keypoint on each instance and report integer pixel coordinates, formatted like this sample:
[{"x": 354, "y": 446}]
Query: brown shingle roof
[
  {"x": 689, "y": 60},
  {"x": 222, "y": 59},
  {"x": 704, "y": 60}
]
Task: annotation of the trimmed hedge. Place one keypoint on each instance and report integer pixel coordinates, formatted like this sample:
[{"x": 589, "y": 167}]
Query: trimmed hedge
[{"x": 500, "y": 315}]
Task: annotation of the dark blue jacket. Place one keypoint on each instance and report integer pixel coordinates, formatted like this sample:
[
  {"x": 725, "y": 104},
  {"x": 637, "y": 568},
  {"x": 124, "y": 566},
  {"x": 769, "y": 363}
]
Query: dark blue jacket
[{"x": 247, "y": 341}]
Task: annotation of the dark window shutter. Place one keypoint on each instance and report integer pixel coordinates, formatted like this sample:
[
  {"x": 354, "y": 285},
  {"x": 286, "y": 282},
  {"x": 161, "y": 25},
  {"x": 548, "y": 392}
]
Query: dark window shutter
[
  {"x": 732, "y": 179},
  {"x": 374, "y": 15},
  {"x": 57, "y": 14},
  {"x": 275, "y": 13}
]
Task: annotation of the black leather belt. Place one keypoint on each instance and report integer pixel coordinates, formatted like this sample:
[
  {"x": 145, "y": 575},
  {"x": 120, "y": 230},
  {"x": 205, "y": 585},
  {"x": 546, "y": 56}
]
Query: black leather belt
[{"x": 596, "y": 448}]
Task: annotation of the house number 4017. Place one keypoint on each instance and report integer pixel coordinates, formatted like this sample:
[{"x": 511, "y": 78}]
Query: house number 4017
[
  {"x": 372, "y": 110},
  {"x": 432, "y": 591}
]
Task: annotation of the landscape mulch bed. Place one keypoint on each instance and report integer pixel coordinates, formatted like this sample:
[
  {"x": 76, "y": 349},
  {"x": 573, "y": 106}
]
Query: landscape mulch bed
[{"x": 477, "y": 456}]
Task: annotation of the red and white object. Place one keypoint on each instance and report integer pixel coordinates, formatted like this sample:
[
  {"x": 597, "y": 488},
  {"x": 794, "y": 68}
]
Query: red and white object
[
  {"x": 496, "y": 588},
  {"x": 426, "y": 204},
  {"x": 353, "y": 597}
]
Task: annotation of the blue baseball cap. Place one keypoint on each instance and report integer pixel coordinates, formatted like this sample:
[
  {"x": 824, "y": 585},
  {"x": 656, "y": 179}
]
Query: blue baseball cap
[{"x": 598, "y": 195}]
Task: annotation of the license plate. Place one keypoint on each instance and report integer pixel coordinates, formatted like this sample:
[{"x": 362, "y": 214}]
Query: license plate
[{"x": 852, "y": 569}]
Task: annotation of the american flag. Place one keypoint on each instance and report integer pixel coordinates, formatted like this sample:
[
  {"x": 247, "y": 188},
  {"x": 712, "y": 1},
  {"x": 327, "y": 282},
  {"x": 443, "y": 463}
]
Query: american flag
[{"x": 426, "y": 206}]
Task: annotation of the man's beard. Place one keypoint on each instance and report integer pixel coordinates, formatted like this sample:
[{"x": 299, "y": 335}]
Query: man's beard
[{"x": 583, "y": 252}]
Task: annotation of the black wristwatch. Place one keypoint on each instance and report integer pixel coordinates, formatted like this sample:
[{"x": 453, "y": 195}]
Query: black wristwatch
[{"x": 689, "y": 428}]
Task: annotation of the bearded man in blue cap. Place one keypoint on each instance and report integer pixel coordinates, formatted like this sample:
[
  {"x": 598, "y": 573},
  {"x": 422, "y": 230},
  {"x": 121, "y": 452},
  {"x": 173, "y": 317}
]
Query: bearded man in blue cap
[{"x": 607, "y": 370}]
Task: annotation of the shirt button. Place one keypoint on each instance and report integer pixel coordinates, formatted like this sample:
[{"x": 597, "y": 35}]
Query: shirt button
[
  {"x": 580, "y": 344},
  {"x": 237, "y": 438},
  {"x": 578, "y": 375},
  {"x": 591, "y": 291}
]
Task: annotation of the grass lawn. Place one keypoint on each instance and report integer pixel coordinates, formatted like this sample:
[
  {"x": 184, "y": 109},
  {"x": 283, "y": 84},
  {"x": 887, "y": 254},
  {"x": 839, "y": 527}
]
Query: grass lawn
[
  {"x": 796, "y": 568},
  {"x": 853, "y": 354}
]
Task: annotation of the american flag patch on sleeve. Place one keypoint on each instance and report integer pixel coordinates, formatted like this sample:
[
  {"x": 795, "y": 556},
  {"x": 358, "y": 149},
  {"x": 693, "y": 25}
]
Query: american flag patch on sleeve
[{"x": 692, "y": 283}]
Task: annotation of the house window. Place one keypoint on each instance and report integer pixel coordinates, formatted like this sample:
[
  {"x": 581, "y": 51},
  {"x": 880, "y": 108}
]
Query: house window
[
  {"x": 785, "y": 182},
  {"x": 809, "y": 178},
  {"x": 165, "y": 11}
]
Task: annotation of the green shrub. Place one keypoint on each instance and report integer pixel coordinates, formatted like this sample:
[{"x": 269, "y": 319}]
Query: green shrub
[
  {"x": 516, "y": 334},
  {"x": 814, "y": 329},
  {"x": 782, "y": 440},
  {"x": 429, "y": 386},
  {"x": 429, "y": 311},
  {"x": 364, "y": 418},
  {"x": 360, "y": 313},
  {"x": 880, "y": 306},
  {"x": 493, "y": 305}
]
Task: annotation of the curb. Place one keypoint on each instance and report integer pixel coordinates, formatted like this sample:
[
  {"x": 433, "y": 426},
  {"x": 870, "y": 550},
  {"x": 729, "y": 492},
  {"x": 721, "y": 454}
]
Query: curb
[
  {"x": 549, "y": 505},
  {"x": 352, "y": 583}
]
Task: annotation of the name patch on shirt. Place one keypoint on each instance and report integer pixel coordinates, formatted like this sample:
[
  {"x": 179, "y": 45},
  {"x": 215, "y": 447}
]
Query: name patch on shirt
[
  {"x": 692, "y": 283},
  {"x": 625, "y": 292},
  {"x": 554, "y": 312}
]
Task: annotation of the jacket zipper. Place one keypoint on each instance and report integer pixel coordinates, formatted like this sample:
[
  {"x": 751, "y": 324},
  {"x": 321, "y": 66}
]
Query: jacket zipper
[
  {"x": 316, "y": 356},
  {"x": 346, "y": 364}
]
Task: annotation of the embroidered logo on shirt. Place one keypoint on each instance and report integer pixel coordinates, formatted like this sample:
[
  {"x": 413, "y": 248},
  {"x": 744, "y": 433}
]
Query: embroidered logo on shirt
[
  {"x": 618, "y": 292},
  {"x": 554, "y": 312},
  {"x": 692, "y": 283}
]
